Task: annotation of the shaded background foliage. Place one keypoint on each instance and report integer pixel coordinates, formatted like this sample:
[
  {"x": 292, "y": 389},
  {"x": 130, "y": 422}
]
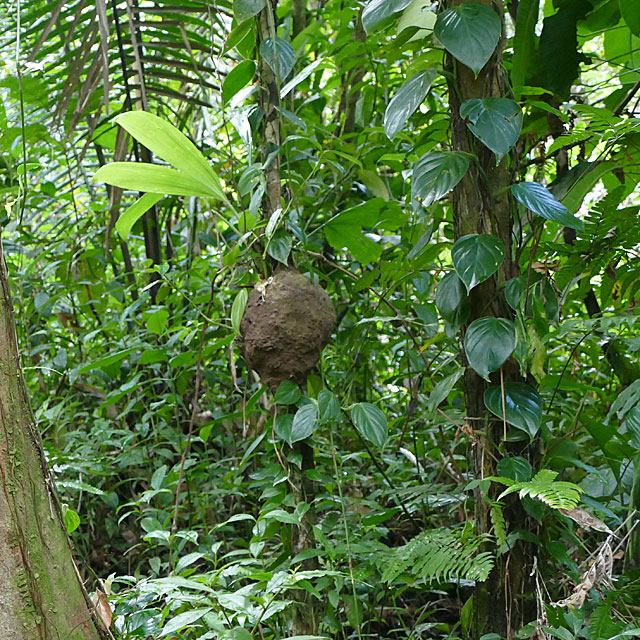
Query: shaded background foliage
[{"x": 180, "y": 488}]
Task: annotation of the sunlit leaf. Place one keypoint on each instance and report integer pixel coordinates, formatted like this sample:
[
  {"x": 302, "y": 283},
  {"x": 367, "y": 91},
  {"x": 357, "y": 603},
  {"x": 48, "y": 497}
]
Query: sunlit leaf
[{"x": 406, "y": 100}]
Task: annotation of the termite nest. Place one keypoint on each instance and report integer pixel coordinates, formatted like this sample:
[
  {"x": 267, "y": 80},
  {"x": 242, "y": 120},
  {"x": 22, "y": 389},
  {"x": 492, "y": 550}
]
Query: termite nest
[{"x": 287, "y": 323}]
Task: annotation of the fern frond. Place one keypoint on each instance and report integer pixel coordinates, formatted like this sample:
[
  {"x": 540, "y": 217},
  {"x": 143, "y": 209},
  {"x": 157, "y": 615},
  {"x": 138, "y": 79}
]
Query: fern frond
[
  {"x": 544, "y": 487},
  {"x": 499, "y": 527},
  {"x": 437, "y": 554}
]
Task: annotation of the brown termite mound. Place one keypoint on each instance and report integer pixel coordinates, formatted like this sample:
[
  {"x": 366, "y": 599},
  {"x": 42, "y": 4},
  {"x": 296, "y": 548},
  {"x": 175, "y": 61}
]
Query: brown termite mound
[{"x": 287, "y": 323}]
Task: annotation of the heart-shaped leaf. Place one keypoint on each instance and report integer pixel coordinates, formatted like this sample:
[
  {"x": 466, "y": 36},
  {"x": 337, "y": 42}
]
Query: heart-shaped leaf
[
  {"x": 328, "y": 406},
  {"x": 378, "y": 10},
  {"x": 496, "y": 122},
  {"x": 488, "y": 343},
  {"x": 245, "y": 9},
  {"x": 476, "y": 257},
  {"x": 435, "y": 174},
  {"x": 406, "y": 100},
  {"x": 470, "y": 33},
  {"x": 304, "y": 422},
  {"x": 523, "y": 405},
  {"x": 278, "y": 54},
  {"x": 449, "y": 296},
  {"x": 287, "y": 393},
  {"x": 370, "y": 422},
  {"x": 540, "y": 200}
]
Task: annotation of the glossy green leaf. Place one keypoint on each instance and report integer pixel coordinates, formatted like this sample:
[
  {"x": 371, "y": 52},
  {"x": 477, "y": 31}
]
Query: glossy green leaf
[
  {"x": 283, "y": 425},
  {"x": 370, "y": 422},
  {"x": 477, "y": 257},
  {"x": 540, "y": 200},
  {"x": 237, "y": 309},
  {"x": 632, "y": 423},
  {"x": 449, "y": 295},
  {"x": 630, "y": 10},
  {"x": 278, "y": 54},
  {"x": 287, "y": 393},
  {"x": 523, "y": 405},
  {"x": 245, "y": 9},
  {"x": 435, "y": 174},
  {"x": 304, "y": 422},
  {"x": 182, "y": 620},
  {"x": 170, "y": 144},
  {"x": 133, "y": 213},
  {"x": 153, "y": 178},
  {"x": 496, "y": 122},
  {"x": 238, "y": 78},
  {"x": 515, "y": 467},
  {"x": 328, "y": 406},
  {"x": 280, "y": 246},
  {"x": 488, "y": 342},
  {"x": 71, "y": 519},
  {"x": 406, "y": 100},
  {"x": 377, "y": 11},
  {"x": 470, "y": 33}
]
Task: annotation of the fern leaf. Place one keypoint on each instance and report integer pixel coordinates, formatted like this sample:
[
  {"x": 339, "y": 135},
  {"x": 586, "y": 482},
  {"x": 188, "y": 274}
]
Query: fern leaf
[
  {"x": 544, "y": 487},
  {"x": 437, "y": 554},
  {"x": 499, "y": 527}
]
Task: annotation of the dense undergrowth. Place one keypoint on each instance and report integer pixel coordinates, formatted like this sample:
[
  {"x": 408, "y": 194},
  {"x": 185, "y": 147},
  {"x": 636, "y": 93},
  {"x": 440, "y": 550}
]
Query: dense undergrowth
[{"x": 205, "y": 506}]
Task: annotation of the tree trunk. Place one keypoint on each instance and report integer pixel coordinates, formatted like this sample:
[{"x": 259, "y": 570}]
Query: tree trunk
[
  {"x": 483, "y": 205},
  {"x": 41, "y": 596}
]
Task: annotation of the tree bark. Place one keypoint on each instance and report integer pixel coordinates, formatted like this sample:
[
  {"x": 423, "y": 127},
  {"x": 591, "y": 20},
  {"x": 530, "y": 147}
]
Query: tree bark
[
  {"x": 41, "y": 596},
  {"x": 482, "y": 205}
]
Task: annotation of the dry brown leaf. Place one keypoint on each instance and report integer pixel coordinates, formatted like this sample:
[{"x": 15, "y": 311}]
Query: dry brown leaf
[
  {"x": 101, "y": 603},
  {"x": 585, "y": 519}
]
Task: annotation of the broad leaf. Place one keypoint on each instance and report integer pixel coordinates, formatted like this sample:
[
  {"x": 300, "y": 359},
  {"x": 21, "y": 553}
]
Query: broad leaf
[
  {"x": 406, "y": 100},
  {"x": 278, "y": 54},
  {"x": 245, "y": 9},
  {"x": 523, "y": 405},
  {"x": 280, "y": 246},
  {"x": 370, "y": 422},
  {"x": 186, "y": 619},
  {"x": 515, "y": 467},
  {"x": 540, "y": 200},
  {"x": 470, "y": 33},
  {"x": 378, "y": 10},
  {"x": 153, "y": 178},
  {"x": 435, "y": 174},
  {"x": 328, "y": 406},
  {"x": 170, "y": 144},
  {"x": 288, "y": 393},
  {"x": 476, "y": 257},
  {"x": 418, "y": 14},
  {"x": 304, "y": 422},
  {"x": 488, "y": 343},
  {"x": 449, "y": 296},
  {"x": 496, "y": 122},
  {"x": 239, "y": 77},
  {"x": 135, "y": 212},
  {"x": 630, "y": 10}
]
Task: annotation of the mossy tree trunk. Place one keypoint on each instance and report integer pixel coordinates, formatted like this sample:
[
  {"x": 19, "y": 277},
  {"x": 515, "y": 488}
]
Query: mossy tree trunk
[
  {"x": 41, "y": 596},
  {"x": 482, "y": 204}
]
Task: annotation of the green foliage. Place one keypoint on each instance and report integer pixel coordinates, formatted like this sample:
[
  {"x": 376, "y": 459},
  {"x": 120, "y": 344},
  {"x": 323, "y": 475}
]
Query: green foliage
[
  {"x": 441, "y": 554},
  {"x": 544, "y": 487},
  {"x": 184, "y": 478}
]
